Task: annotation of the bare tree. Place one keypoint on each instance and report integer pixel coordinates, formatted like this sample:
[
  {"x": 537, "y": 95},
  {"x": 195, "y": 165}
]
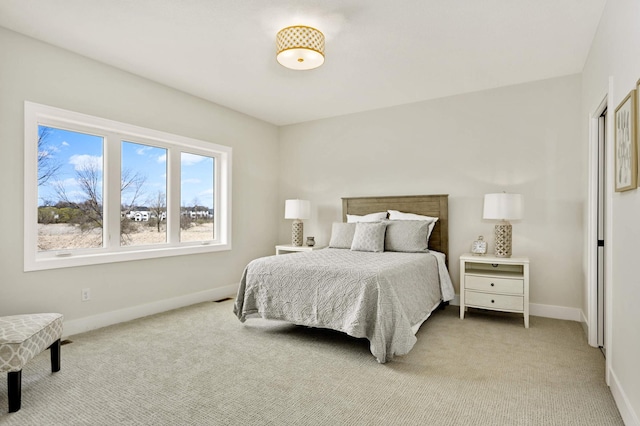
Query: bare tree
[
  {"x": 158, "y": 206},
  {"x": 89, "y": 176},
  {"x": 195, "y": 202},
  {"x": 48, "y": 166},
  {"x": 132, "y": 184}
]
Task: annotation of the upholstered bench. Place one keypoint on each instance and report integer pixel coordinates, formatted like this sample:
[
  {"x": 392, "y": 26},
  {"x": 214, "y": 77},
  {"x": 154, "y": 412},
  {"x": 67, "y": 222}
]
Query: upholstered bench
[{"x": 22, "y": 337}]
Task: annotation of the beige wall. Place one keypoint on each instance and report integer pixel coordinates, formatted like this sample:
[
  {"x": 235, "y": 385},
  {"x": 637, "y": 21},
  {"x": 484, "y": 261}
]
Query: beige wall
[
  {"x": 530, "y": 138},
  {"x": 521, "y": 138},
  {"x": 30, "y": 70},
  {"x": 615, "y": 55}
]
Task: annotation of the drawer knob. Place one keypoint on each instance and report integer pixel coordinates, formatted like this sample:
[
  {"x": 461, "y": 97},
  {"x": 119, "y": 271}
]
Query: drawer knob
[
  {"x": 492, "y": 284},
  {"x": 493, "y": 301}
]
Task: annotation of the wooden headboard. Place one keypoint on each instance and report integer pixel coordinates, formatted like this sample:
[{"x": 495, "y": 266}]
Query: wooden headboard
[{"x": 429, "y": 205}]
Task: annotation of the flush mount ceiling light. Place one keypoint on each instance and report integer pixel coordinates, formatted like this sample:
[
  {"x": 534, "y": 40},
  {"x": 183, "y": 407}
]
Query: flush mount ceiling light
[{"x": 300, "y": 47}]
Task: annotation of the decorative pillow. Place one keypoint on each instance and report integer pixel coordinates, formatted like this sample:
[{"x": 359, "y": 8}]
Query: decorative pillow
[
  {"x": 396, "y": 215},
  {"x": 411, "y": 236},
  {"x": 342, "y": 235},
  {"x": 371, "y": 217},
  {"x": 369, "y": 236}
]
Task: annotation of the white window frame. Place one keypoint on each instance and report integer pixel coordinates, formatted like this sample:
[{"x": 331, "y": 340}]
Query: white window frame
[{"x": 114, "y": 133}]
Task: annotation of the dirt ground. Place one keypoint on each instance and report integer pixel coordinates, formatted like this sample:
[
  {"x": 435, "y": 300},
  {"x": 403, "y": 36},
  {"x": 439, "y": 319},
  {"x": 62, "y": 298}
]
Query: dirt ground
[{"x": 62, "y": 236}]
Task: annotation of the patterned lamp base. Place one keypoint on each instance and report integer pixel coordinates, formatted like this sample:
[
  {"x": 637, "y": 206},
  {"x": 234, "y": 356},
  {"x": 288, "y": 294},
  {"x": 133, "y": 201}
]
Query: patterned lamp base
[
  {"x": 296, "y": 233},
  {"x": 503, "y": 240}
]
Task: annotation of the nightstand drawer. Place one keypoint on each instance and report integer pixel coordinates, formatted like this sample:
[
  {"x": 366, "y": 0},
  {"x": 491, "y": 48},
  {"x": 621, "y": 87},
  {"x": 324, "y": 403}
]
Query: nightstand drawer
[
  {"x": 494, "y": 301},
  {"x": 494, "y": 285}
]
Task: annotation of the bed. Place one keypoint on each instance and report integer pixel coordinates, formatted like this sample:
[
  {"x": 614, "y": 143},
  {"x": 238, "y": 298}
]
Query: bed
[{"x": 382, "y": 296}]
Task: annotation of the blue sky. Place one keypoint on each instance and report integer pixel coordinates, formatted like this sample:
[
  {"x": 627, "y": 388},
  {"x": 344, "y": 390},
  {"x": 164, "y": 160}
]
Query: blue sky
[{"x": 75, "y": 152}]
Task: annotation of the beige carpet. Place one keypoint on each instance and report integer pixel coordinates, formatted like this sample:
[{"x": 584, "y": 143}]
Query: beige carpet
[{"x": 201, "y": 366}]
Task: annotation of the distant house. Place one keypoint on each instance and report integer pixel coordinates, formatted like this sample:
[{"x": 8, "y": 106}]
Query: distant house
[
  {"x": 142, "y": 216},
  {"x": 197, "y": 213},
  {"x": 139, "y": 214}
]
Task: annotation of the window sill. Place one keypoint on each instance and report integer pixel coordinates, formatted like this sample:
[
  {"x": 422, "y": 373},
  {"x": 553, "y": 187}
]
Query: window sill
[{"x": 83, "y": 259}]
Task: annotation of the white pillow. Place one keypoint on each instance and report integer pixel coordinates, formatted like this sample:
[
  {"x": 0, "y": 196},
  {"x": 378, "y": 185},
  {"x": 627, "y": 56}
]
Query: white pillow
[
  {"x": 410, "y": 236},
  {"x": 369, "y": 236},
  {"x": 371, "y": 217},
  {"x": 396, "y": 215},
  {"x": 342, "y": 235}
]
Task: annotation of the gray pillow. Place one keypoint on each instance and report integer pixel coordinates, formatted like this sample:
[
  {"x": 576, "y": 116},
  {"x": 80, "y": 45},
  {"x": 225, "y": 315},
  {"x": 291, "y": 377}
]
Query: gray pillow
[
  {"x": 411, "y": 236},
  {"x": 342, "y": 235},
  {"x": 369, "y": 236}
]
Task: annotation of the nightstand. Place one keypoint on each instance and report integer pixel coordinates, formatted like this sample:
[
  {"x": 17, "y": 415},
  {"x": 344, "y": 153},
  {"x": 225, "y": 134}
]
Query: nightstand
[
  {"x": 288, "y": 248},
  {"x": 495, "y": 283}
]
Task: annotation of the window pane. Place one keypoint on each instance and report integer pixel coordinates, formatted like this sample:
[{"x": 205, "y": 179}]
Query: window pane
[
  {"x": 197, "y": 209},
  {"x": 70, "y": 210},
  {"x": 143, "y": 199}
]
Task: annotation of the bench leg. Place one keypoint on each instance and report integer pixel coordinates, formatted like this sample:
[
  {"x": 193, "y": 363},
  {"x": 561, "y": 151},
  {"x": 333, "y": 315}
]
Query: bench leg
[
  {"x": 55, "y": 355},
  {"x": 14, "y": 380}
]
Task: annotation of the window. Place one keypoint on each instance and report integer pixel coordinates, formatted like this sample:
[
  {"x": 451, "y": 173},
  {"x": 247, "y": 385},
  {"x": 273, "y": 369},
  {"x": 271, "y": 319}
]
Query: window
[
  {"x": 196, "y": 214},
  {"x": 99, "y": 191},
  {"x": 70, "y": 208},
  {"x": 143, "y": 194}
]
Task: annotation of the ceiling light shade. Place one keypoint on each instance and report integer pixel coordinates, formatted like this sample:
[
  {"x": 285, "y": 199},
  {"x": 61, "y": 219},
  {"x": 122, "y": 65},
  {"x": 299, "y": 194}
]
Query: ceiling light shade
[{"x": 300, "y": 47}]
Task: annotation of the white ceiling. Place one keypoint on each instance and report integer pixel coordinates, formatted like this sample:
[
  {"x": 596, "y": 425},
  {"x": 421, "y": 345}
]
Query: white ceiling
[{"x": 379, "y": 53}]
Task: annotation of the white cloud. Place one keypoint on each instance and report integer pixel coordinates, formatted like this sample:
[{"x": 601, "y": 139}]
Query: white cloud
[
  {"x": 143, "y": 150},
  {"x": 162, "y": 158},
  {"x": 48, "y": 151},
  {"x": 191, "y": 159},
  {"x": 86, "y": 162},
  {"x": 65, "y": 143}
]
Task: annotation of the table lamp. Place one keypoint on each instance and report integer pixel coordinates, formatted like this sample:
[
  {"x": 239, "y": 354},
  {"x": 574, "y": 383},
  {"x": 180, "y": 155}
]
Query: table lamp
[
  {"x": 503, "y": 207},
  {"x": 297, "y": 210}
]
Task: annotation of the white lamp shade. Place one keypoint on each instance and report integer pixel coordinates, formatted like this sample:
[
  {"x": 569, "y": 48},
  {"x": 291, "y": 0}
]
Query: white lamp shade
[
  {"x": 297, "y": 209},
  {"x": 300, "y": 59},
  {"x": 503, "y": 206}
]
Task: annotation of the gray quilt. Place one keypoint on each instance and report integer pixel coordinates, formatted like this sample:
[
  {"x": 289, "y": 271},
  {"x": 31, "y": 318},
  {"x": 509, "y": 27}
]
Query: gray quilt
[{"x": 379, "y": 296}]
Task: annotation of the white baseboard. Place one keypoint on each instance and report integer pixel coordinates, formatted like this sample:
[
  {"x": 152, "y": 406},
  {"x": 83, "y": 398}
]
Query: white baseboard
[
  {"x": 547, "y": 311},
  {"x": 93, "y": 322},
  {"x": 584, "y": 322},
  {"x": 557, "y": 312},
  {"x": 629, "y": 417}
]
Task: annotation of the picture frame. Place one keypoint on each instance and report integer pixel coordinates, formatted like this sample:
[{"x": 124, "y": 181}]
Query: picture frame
[
  {"x": 637, "y": 145},
  {"x": 626, "y": 144}
]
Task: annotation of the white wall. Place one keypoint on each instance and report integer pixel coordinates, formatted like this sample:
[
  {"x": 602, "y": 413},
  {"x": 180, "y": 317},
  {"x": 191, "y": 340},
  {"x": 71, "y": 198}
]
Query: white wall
[
  {"x": 523, "y": 138},
  {"x": 34, "y": 71},
  {"x": 615, "y": 54},
  {"x": 530, "y": 138}
]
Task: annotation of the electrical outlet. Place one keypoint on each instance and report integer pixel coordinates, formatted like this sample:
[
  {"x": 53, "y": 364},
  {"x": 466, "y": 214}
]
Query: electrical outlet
[{"x": 86, "y": 294}]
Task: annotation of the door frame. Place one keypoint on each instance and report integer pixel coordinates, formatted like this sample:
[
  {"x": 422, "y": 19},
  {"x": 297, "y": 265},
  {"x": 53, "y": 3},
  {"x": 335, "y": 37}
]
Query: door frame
[{"x": 592, "y": 227}]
